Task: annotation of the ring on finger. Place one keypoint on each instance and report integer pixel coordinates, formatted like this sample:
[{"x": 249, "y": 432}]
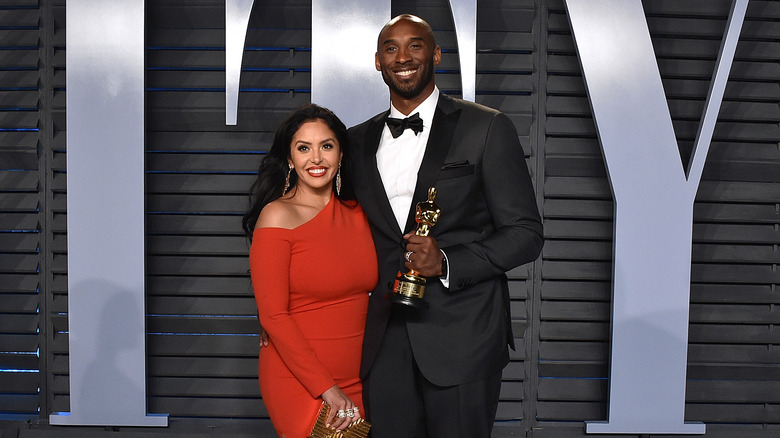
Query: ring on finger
[
  {"x": 341, "y": 414},
  {"x": 350, "y": 413},
  {"x": 408, "y": 256}
]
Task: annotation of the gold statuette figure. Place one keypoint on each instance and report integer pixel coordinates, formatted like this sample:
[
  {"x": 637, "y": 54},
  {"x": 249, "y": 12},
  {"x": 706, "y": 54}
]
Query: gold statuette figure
[{"x": 409, "y": 288}]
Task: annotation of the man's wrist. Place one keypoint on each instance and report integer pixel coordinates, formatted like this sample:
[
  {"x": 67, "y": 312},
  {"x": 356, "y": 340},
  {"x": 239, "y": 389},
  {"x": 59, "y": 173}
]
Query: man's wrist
[{"x": 444, "y": 268}]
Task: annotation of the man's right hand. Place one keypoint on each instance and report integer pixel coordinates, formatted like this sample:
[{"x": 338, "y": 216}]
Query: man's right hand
[{"x": 263, "y": 338}]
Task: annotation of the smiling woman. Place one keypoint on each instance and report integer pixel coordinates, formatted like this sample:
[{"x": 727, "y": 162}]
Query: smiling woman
[
  {"x": 315, "y": 156},
  {"x": 305, "y": 164},
  {"x": 312, "y": 262}
]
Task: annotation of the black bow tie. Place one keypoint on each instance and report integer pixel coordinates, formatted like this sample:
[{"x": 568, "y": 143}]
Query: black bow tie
[{"x": 397, "y": 126}]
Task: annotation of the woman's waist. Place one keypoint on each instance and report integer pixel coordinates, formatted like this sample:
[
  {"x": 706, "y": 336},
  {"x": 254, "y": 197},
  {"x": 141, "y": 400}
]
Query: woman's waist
[{"x": 344, "y": 318}]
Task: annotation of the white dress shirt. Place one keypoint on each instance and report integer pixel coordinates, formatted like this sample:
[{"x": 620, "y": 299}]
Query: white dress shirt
[{"x": 398, "y": 161}]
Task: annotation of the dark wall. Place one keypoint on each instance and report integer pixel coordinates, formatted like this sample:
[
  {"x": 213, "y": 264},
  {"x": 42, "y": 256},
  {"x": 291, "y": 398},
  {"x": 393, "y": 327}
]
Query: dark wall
[{"x": 202, "y": 342}]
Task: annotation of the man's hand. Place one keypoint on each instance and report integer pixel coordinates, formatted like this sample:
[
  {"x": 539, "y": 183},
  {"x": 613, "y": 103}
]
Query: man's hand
[
  {"x": 263, "y": 338},
  {"x": 426, "y": 258}
]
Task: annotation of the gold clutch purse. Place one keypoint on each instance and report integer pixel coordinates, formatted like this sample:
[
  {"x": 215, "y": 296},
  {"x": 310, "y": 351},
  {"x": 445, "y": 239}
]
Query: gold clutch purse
[{"x": 357, "y": 429}]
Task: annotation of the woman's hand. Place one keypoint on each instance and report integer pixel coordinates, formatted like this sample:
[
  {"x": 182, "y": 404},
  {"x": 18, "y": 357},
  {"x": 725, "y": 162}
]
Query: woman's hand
[{"x": 339, "y": 401}]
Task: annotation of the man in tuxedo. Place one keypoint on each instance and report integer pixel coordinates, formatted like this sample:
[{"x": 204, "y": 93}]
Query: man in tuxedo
[{"x": 436, "y": 372}]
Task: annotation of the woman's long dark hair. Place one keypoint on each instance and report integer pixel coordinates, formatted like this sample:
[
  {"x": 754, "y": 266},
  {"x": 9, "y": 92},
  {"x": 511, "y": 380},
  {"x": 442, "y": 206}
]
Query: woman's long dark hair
[{"x": 273, "y": 169}]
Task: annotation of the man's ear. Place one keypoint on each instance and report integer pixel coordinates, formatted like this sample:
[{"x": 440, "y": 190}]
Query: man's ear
[{"x": 436, "y": 55}]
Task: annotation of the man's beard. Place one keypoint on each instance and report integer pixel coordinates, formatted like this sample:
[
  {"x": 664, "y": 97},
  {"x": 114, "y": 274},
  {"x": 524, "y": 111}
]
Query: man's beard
[{"x": 409, "y": 91}]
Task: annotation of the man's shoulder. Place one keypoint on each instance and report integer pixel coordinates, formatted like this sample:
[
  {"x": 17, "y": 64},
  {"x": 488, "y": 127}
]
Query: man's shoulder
[
  {"x": 471, "y": 108},
  {"x": 363, "y": 127}
]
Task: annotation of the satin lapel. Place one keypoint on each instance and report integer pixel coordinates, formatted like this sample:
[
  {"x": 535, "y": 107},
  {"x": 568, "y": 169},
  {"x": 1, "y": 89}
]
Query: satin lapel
[
  {"x": 445, "y": 119},
  {"x": 375, "y": 203}
]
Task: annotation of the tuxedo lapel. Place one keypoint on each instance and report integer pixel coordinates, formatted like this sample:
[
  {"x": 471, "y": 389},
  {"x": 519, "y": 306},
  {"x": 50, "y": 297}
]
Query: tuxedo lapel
[
  {"x": 445, "y": 119},
  {"x": 376, "y": 204}
]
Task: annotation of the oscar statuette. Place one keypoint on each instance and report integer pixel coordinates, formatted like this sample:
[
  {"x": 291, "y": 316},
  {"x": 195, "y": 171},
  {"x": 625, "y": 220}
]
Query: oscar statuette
[{"x": 409, "y": 288}]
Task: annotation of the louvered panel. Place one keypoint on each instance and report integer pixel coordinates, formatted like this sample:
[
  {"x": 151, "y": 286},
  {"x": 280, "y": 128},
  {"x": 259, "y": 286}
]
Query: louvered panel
[
  {"x": 59, "y": 264},
  {"x": 205, "y": 286},
  {"x": 230, "y": 321},
  {"x": 238, "y": 310},
  {"x": 18, "y": 403},
  {"x": 29, "y": 361},
  {"x": 214, "y": 80},
  {"x": 211, "y": 59},
  {"x": 505, "y": 81},
  {"x": 18, "y": 283},
  {"x": 210, "y": 387},
  {"x": 13, "y": 140},
  {"x": 575, "y": 178},
  {"x": 734, "y": 233},
  {"x": 733, "y": 291},
  {"x": 577, "y": 353},
  {"x": 202, "y": 342},
  {"x": 198, "y": 245},
  {"x": 736, "y": 332},
  {"x": 742, "y": 412},
  {"x": 201, "y": 204},
  {"x": 572, "y": 389},
  {"x": 20, "y": 377},
  {"x": 26, "y": 78},
  {"x": 23, "y": 242},
  {"x": 164, "y": 141},
  {"x": 201, "y": 163},
  {"x": 202, "y": 345},
  {"x": 277, "y": 103},
  {"x": 198, "y": 183},
  {"x": 206, "y": 367},
  {"x": 188, "y": 224},
  {"x": 582, "y": 331},
  {"x": 735, "y": 273},
  {"x": 573, "y": 333},
  {"x": 12, "y": 180},
  {"x": 187, "y": 407},
  {"x": 210, "y": 407},
  {"x": 202, "y": 308},
  {"x": 185, "y": 265},
  {"x": 745, "y": 253},
  {"x": 564, "y": 411},
  {"x": 19, "y": 303},
  {"x": 734, "y": 392}
]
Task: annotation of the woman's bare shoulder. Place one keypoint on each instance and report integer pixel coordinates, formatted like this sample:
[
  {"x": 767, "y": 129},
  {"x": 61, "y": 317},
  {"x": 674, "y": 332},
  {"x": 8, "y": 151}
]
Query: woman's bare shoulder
[{"x": 277, "y": 214}]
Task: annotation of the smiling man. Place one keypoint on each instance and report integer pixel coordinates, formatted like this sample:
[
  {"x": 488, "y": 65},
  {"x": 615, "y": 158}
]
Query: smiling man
[{"x": 436, "y": 372}]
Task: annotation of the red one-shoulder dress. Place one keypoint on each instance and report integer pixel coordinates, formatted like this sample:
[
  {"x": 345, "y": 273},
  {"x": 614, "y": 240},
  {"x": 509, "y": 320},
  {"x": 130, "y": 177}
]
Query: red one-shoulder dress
[{"x": 311, "y": 284}]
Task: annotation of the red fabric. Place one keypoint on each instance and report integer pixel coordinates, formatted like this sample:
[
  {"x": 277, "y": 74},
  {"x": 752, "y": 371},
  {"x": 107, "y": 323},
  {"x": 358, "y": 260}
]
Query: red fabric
[{"x": 311, "y": 285}]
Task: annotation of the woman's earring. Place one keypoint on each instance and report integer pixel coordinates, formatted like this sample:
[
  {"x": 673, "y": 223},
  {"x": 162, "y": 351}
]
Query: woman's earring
[
  {"x": 338, "y": 181},
  {"x": 287, "y": 181}
]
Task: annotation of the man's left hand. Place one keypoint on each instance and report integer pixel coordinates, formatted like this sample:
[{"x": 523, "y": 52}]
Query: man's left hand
[{"x": 426, "y": 258}]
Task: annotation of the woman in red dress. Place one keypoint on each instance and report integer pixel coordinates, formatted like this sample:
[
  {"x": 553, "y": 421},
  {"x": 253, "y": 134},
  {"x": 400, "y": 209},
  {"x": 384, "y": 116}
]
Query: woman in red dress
[{"x": 313, "y": 264}]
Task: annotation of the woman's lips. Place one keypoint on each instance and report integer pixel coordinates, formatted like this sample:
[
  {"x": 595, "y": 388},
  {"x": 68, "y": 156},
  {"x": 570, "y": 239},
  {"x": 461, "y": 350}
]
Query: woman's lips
[{"x": 316, "y": 171}]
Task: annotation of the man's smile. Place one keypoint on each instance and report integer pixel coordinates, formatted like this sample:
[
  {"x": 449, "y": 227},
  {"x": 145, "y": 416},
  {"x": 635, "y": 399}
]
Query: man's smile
[{"x": 405, "y": 73}]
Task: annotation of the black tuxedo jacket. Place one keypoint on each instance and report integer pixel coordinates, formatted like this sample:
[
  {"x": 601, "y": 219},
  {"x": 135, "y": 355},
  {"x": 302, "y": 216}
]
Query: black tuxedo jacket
[{"x": 489, "y": 224}]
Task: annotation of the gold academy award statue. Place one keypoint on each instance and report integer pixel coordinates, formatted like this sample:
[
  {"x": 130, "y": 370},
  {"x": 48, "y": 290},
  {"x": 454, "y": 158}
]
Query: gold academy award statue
[{"x": 409, "y": 288}]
